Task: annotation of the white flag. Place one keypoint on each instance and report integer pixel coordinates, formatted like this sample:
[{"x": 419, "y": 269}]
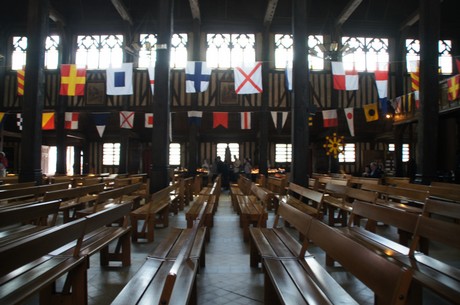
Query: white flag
[
  {"x": 120, "y": 80},
  {"x": 152, "y": 78},
  {"x": 350, "y": 120},
  {"x": 248, "y": 79}
]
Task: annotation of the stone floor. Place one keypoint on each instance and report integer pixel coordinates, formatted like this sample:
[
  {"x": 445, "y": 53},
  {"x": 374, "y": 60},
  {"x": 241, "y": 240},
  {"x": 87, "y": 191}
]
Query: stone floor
[{"x": 227, "y": 277}]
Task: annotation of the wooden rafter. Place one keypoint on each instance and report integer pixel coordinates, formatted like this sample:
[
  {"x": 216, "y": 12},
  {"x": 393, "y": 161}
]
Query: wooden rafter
[
  {"x": 121, "y": 9},
  {"x": 195, "y": 8},
  {"x": 347, "y": 11},
  {"x": 270, "y": 11},
  {"x": 56, "y": 16}
]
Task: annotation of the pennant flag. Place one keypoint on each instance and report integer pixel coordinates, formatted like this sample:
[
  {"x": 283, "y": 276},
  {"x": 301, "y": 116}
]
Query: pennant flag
[
  {"x": 19, "y": 121},
  {"x": 72, "y": 80},
  {"x": 71, "y": 120},
  {"x": 194, "y": 117},
  {"x": 344, "y": 80},
  {"x": 220, "y": 118},
  {"x": 2, "y": 116},
  {"x": 21, "y": 75},
  {"x": 330, "y": 118},
  {"x": 149, "y": 120},
  {"x": 415, "y": 75},
  {"x": 453, "y": 88},
  {"x": 417, "y": 99},
  {"x": 197, "y": 76},
  {"x": 279, "y": 119},
  {"x": 120, "y": 80},
  {"x": 350, "y": 120},
  {"x": 126, "y": 119},
  {"x": 406, "y": 103},
  {"x": 371, "y": 112},
  {"x": 248, "y": 79},
  {"x": 47, "y": 120},
  {"x": 381, "y": 81},
  {"x": 289, "y": 78},
  {"x": 245, "y": 120},
  {"x": 152, "y": 78},
  {"x": 100, "y": 120}
]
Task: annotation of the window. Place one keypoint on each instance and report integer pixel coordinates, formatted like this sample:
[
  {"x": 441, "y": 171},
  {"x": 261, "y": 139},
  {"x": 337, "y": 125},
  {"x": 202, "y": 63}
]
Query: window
[
  {"x": 111, "y": 154},
  {"x": 283, "y": 153},
  {"x": 365, "y": 54},
  {"x": 99, "y": 51},
  {"x": 405, "y": 151},
  {"x": 147, "y": 52},
  {"x": 284, "y": 51},
  {"x": 20, "y": 52},
  {"x": 445, "y": 55},
  {"x": 174, "y": 154},
  {"x": 230, "y": 50},
  {"x": 49, "y": 160},
  {"x": 234, "y": 150},
  {"x": 348, "y": 154}
]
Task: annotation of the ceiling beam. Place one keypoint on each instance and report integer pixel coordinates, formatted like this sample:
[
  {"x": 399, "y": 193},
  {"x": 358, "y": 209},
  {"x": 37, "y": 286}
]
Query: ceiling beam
[
  {"x": 195, "y": 8},
  {"x": 412, "y": 19},
  {"x": 56, "y": 16},
  {"x": 270, "y": 12},
  {"x": 351, "y": 6},
  {"x": 120, "y": 7}
]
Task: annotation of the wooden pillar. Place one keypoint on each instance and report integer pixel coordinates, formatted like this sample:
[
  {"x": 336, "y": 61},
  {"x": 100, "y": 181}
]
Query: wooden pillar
[
  {"x": 34, "y": 91},
  {"x": 193, "y": 149},
  {"x": 301, "y": 94},
  {"x": 77, "y": 160},
  {"x": 264, "y": 117},
  {"x": 3, "y": 43},
  {"x": 159, "y": 177},
  {"x": 61, "y": 107},
  {"x": 429, "y": 90}
]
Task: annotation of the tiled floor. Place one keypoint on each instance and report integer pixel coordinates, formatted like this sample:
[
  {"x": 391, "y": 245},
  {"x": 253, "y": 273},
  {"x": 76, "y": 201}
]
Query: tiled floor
[{"x": 227, "y": 277}]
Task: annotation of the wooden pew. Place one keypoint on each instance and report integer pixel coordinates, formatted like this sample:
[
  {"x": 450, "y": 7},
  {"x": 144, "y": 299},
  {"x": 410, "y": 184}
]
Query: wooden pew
[
  {"x": 154, "y": 212},
  {"x": 32, "y": 193},
  {"x": 252, "y": 210},
  {"x": 358, "y": 181},
  {"x": 74, "y": 199},
  {"x": 195, "y": 208},
  {"x": 31, "y": 269},
  {"x": 304, "y": 199},
  {"x": 168, "y": 276},
  {"x": 19, "y": 185},
  {"x": 243, "y": 187},
  {"x": 277, "y": 187},
  {"x": 305, "y": 281}
]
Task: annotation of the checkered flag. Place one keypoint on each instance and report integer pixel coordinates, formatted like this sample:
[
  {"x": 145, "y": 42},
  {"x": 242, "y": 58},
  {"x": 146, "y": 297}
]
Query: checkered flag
[{"x": 19, "y": 121}]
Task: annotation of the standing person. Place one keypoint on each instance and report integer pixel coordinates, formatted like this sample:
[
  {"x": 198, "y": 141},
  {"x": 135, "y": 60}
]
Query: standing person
[
  {"x": 236, "y": 167},
  {"x": 3, "y": 164},
  {"x": 247, "y": 166}
]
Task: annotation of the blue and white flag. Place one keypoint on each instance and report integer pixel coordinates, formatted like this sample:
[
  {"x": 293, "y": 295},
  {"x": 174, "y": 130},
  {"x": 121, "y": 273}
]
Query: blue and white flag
[
  {"x": 100, "y": 120},
  {"x": 194, "y": 117},
  {"x": 288, "y": 76},
  {"x": 120, "y": 80},
  {"x": 197, "y": 76}
]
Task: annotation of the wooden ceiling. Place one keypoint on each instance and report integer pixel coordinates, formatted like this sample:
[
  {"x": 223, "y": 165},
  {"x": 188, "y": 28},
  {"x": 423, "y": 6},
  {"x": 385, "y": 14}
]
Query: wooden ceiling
[{"x": 354, "y": 17}]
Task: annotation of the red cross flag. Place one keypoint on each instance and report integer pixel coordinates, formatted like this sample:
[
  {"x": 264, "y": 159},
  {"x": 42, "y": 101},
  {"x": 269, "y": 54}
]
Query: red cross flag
[
  {"x": 248, "y": 79},
  {"x": 126, "y": 119}
]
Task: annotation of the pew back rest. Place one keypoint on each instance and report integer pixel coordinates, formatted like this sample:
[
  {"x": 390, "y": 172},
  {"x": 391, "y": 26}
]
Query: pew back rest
[
  {"x": 16, "y": 185},
  {"x": 26, "y": 250},
  {"x": 296, "y": 218},
  {"x": 359, "y": 194},
  {"x": 117, "y": 193},
  {"x": 263, "y": 195},
  {"x": 387, "y": 279},
  {"x": 378, "y": 213},
  {"x": 107, "y": 217},
  {"x": 335, "y": 190},
  {"x": 165, "y": 192},
  {"x": 36, "y": 212},
  {"x": 305, "y": 193},
  {"x": 277, "y": 185},
  {"x": 419, "y": 196}
]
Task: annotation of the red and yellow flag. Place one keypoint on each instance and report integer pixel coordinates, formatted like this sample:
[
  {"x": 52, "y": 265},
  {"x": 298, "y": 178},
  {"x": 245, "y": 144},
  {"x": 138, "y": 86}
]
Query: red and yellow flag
[
  {"x": 453, "y": 88},
  {"x": 72, "y": 80},
  {"x": 21, "y": 75},
  {"x": 415, "y": 81},
  {"x": 48, "y": 120}
]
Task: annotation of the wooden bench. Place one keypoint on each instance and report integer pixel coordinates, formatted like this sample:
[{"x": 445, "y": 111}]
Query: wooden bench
[
  {"x": 277, "y": 241},
  {"x": 276, "y": 186},
  {"x": 304, "y": 199},
  {"x": 31, "y": 269},
  {"x": 243, "y": 187},
  {"x": 305, "y": 281},
  {"x": 154, "y": 212},
  {"x": 100, "y": 233},
  {"x": 74, "y": 199},
  {"x": 358, "y": 181},
  {"x": 111, "y": 197},
  {"x": 168, "y": 275},
  {"x": 32, "y": 193},
  {"x": 252, "y": 211},
  {"x": 19, "y": 185},
  {"x": 340, "y": 200},
  {"x": 195, "y": 208}
]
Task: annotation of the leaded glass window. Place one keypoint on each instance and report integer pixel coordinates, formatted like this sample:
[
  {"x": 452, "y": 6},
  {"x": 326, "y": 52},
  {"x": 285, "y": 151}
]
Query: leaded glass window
[
  {"x": 230, "y": 50},
  {"x": 99, "y": 51},
  {"x": 147, "y": 52},
  {"x": 364, "y": 53},
  {"x": 284, "y": 51},
  {"x": 445, "y": 55},
  {"x": 18, "y": 59}
]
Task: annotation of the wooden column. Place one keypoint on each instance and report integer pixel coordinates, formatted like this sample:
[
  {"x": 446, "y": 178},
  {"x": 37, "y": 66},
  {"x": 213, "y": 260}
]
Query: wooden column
[
  {"x": 193, "y": 148},
  {"x": 159, "y": 177},
  {"x": 61, "y": 107},
  {"x": 429, "y": 90},
  {"x": 34, "y": 92},
  {"x": 263, "y": 131},
  {"x": 301, "y": 93},
  {"x": 77, "y": 160}
]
